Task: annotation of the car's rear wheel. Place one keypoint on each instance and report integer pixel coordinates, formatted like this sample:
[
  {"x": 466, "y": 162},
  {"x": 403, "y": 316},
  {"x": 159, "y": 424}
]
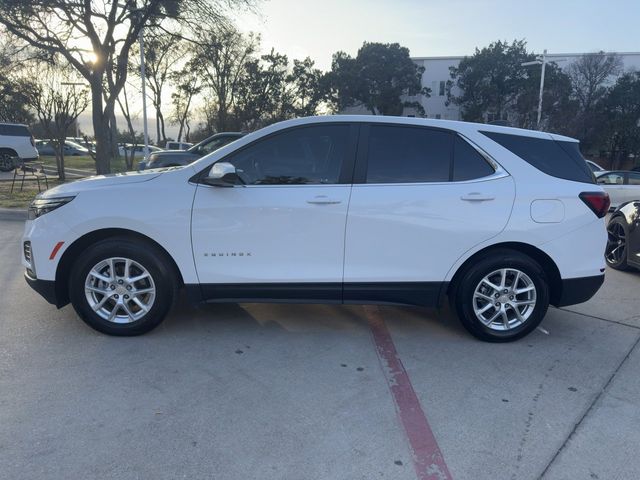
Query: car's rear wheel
[
  {"x": 6, "y": 162},
  {"x": 502, "y": 297},
  {"x": 120, "y": 287},
  {"x": 616, "y": 251}
]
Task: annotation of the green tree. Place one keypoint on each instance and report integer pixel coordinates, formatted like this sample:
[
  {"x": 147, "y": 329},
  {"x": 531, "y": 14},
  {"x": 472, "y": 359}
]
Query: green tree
[
  {"x": 308, "y": 89},
  {"x": 621, "y": 108},
  {"x": 377, "y": 78},
  {"x": 486, "y": 85}
]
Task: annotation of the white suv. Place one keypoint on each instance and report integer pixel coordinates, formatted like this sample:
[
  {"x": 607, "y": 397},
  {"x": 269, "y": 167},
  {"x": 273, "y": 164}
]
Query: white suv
[
  {"x": 346, "y": 209},
  {"x": 16, "y": 143}
]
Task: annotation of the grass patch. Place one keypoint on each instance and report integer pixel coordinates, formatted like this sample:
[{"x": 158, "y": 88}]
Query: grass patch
[
  {"x": 21, "y": 199},
  {"x": 86, "y": 163}
]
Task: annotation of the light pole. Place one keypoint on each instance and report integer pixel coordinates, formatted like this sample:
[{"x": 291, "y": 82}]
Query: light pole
[
  {"x": 144, "y": 94},
  {"x": 74, "y": 85},
  {"x": 541, "y": 60}
]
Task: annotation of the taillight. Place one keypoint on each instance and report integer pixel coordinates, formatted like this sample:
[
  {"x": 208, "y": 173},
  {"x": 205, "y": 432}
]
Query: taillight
[{"x": 598, "y": 202}]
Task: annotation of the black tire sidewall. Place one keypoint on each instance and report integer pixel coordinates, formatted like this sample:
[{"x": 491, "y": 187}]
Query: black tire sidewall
[
  {"x": 6, "y": 162},
  {"x": 150, "y": 258},
  {"x": 472, "y": 277},
  {"x": 622, "y": 264}
]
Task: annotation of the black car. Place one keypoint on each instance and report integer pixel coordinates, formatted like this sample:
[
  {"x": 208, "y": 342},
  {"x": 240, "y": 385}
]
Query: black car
[
  {"x": 623, "y": 243},
  {"x": 175, "y": 158}
]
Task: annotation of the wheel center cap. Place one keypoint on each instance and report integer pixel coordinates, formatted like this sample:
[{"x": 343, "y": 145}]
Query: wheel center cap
[
  {"x": 121, "y": 290},
  {"x": 504, "y": 298}
]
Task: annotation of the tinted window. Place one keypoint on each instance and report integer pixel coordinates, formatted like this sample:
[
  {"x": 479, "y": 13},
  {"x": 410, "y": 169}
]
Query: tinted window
[
  {"x": 408, "y": 154},
  {"x": 468, "y": 163},
  {"x": 634, "y": 178},
  {"x": 15, "y": 130},
  {"x": 215, "y": 144},
  {"x": 306, "y": 155},
  {"x": 611, "y": 179},
  {"x": 558, "y": 159}
]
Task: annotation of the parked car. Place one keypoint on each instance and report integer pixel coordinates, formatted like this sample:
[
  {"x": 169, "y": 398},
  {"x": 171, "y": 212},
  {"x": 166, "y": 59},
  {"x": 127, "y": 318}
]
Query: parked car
[
  {"x": 344, "y": 209},
  {"x": 138, "y": 150},
  {"x": 16, "y": 144},
  {"x": 71, "y": 149},
  {"x": 171, "y": 145},
  {"x": 623, "y": 244},
  {"x": 622, "y": 186},
  {"x": 175, "y": 158},
  {"x": 594, "y": 166}
]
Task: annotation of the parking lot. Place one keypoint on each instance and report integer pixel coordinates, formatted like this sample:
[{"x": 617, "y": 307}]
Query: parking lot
[{"x": 316, "y": 392}]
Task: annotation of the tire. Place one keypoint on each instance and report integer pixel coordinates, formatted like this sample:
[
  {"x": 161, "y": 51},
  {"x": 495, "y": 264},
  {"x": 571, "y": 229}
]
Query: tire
[
  {"x": 91, "y": 275},
  {"x": 6, "y": 162},
  {"x": 472, "y": 293},
  {"x": 615, "y": 253}
]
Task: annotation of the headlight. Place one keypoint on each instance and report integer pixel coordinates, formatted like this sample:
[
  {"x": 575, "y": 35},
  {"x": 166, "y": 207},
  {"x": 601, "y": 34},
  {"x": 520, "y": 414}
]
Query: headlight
[{"x": 40, "y": 206}]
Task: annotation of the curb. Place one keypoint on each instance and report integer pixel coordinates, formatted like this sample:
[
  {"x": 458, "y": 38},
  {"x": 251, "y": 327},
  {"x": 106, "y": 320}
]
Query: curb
[{"x": 15, "y": 214}]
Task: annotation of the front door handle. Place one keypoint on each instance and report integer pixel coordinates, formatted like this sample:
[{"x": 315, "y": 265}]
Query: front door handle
[
  {"x": 477, "y": 197},
  {"x": 323, "y": 200}
]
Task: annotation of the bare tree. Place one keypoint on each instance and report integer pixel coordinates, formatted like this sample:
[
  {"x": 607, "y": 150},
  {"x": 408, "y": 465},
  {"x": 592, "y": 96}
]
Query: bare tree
[
  {"x": 110, "y": 29},
  {"x": 57, "y": 106},
  {"x": 123, "y": 103},
  {"x": 590, "y": 75},
  {"x": 162, "y": 53},
  {"x": 187, "y": 85}
]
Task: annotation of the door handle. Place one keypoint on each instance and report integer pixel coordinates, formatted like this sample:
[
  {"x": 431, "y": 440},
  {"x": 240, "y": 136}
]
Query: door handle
[
  {"x": 477, "y": 197},
  {"x": 323, "y": 200}
]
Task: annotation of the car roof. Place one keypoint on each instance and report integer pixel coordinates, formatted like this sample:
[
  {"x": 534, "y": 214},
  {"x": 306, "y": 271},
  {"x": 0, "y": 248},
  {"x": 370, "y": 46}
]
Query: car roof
[
  {"x": 14, "y": 124},
  {"x": 429, "y": 122}
]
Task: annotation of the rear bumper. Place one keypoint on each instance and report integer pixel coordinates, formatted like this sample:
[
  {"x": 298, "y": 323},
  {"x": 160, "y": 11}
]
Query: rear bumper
[
  {"x": 579, "y": 290},
  {"x": 46, "y": 288}
]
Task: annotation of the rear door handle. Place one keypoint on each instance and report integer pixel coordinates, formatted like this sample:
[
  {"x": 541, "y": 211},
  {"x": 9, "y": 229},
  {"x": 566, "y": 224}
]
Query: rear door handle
[{"x": 477, "y": 197}]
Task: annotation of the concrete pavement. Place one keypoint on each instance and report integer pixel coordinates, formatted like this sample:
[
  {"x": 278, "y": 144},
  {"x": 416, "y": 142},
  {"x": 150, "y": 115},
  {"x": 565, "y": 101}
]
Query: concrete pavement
[{"x": 299, "y": 391}]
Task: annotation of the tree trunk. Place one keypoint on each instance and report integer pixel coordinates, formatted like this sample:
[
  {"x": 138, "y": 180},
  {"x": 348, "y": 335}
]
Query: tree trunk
[
  {"x": 100, "y": 130},
  {"x": 59, "y": 150}
]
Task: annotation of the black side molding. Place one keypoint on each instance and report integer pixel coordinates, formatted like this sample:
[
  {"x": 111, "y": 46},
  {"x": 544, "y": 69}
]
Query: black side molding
[
  {"x": 393, "y": 293},
  {"x": 579, "y": 290}
]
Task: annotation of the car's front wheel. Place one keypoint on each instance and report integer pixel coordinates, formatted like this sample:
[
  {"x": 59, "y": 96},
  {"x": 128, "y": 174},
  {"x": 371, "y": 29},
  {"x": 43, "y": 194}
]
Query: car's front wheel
[
  {"x": 502, "y": 297},
  {"x": 120, "y": 287}
]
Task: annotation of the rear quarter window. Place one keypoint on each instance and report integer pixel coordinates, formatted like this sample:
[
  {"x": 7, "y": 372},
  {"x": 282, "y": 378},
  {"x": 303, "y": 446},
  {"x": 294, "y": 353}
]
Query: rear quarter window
[
  {"x": 556, "y": 158},
  {"x": 14, "y": 130}
]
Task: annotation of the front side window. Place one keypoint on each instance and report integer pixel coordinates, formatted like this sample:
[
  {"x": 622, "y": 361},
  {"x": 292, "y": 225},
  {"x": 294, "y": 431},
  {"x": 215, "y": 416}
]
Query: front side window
[
  {"x": 304, "y": 155},
  {"x": 408, "y": 155},
  {"x": 611, "y": 179}
]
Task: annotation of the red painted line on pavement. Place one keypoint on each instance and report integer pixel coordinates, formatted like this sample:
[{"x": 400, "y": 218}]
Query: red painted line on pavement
[{"x": 427, "y": 457}]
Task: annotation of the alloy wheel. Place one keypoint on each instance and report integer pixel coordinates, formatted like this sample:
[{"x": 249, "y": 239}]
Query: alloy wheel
[
  {"x": 120, "y": 290},
  {"x": 616, "y": 243},
  {"x": 504, "y": 299}
]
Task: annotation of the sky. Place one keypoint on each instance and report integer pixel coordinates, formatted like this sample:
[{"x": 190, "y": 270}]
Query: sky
[{"x": 318, "y": 28}]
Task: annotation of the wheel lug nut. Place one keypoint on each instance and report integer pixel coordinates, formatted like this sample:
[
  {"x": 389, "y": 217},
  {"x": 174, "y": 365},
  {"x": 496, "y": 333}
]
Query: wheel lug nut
[
  {"x": 126, "y": 296},
  {"x": 120, "y": 282},
  {"x": 497, "y": 295},
  {"x": 505, "y": 291},
  {"x": 128, "y": 287},
  {"x": 116, "y": 295},
  {"x": 497, "y": 304},
  {"x": 113, "y": 287},
  {"x": 510, "y": 297}
]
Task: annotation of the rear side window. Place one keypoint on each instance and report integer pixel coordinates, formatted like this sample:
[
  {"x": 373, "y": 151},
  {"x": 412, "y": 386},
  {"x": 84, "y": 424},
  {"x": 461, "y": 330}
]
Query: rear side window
[
  {"x": 611, "y": 179},
  {"x": 468, "y": 164},
  {"x": 634, "y": 178},
  {"x": 408, "y": 155},
  {"x": 555, "y": 158},
  {"x": 14, "y": 130}
]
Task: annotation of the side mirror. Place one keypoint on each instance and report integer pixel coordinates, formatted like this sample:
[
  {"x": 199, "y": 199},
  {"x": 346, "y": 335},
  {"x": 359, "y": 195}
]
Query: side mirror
[{"x": 222, "y": 174}]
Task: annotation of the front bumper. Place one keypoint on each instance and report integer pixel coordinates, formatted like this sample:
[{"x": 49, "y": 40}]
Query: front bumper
[
  {"x": 579, "y": 290},
  {"x": 46, "y": 288}
]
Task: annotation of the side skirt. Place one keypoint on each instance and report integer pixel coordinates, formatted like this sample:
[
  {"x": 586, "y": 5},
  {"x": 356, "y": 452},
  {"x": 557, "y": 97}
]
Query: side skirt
[{"x": 382, "y": 293}]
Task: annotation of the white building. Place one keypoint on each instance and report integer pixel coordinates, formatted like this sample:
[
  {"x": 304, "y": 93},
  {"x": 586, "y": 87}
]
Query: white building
[{"x": 436, "y": 74}]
